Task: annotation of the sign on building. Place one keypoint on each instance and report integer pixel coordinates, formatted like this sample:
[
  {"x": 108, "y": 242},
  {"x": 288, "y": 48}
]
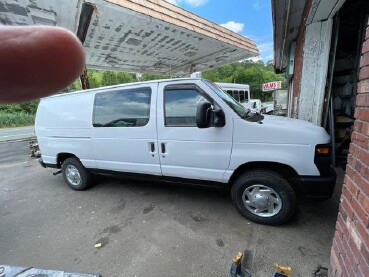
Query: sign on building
[{"x": 272, "y": 86}]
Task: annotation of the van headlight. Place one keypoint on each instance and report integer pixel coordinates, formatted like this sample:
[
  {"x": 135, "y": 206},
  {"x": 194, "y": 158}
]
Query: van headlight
[{"x": 323, "y": 158}]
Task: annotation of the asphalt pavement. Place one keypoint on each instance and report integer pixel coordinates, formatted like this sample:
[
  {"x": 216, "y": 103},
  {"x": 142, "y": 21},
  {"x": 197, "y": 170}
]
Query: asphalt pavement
[
  {"x": 18, "y": 133},
  {"x": 145, "y": 228}
]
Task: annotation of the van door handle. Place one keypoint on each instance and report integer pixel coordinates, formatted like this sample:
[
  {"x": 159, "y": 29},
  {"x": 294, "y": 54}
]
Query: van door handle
[
  {"x": 152, "y": 147},
  {"x": 163, "y": 148}
]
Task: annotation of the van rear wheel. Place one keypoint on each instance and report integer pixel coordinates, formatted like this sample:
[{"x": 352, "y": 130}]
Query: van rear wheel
[
  {"x": 263, "y": 196},
  {"x": 75, "y": 174}
]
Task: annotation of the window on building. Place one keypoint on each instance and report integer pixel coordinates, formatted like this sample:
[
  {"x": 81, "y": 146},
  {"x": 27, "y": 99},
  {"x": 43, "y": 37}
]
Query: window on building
[
  {"x": 242, "y": 96},
  {"x": 122, "y": 108}
]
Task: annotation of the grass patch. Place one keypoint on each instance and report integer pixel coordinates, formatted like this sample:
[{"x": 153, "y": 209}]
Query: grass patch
[{"x": 16, "y": 119}]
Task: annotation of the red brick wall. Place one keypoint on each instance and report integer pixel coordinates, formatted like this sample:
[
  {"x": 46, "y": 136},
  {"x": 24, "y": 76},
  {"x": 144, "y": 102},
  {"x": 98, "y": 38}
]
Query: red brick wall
[
  {"x": 350, "y": 249},
  {"x": 299, "y": 52}
]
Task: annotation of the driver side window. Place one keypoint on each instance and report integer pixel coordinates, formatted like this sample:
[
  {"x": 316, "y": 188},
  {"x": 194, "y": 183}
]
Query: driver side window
[
  {"x": 122, "y": 108},
  {"x": 181, "y": 107}
]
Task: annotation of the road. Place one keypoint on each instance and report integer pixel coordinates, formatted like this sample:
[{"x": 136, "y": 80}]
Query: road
[
  {"x": 146, "y": 229},
  {"x": 7, "y": 134}
]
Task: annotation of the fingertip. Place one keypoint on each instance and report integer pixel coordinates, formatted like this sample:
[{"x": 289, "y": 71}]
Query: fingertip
[{"x": 40, "y": 60}]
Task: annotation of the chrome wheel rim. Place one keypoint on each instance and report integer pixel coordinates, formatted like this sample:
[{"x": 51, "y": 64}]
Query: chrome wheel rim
[
  {"x": 262, "y": 200},
  {"x": 73, "y": 175}
]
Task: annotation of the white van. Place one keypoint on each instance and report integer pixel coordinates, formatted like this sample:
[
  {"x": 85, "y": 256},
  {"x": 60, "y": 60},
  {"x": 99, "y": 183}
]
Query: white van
[{"x": 188, "y": 131}]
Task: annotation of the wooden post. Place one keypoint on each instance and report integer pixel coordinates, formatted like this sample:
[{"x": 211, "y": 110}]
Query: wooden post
[
  {"x": 84, "y": 22},
  {"x": 85, "y": 84}
]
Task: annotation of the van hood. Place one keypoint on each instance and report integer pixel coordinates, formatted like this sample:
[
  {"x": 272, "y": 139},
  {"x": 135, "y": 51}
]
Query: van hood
[{"x": 279, "y": 130}]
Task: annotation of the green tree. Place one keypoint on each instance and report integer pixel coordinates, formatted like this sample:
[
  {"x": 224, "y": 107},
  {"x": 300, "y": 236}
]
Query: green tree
[
  {"x": 255, "y": 76},
  {"x": 114, "y": 78},
  {"x": 108, "y": 78},
  {"x": 220, "y": 74},
  {"x": 247, "y": 72},
  {"x": 76, "y": 85},
  {"x": 93, "y": 79},
  {"x": 212, "y": 75},
  {"x": 124, "y": 77},
  {"x": 149, "y": 77},
  {"x": 29, "y": 107}
]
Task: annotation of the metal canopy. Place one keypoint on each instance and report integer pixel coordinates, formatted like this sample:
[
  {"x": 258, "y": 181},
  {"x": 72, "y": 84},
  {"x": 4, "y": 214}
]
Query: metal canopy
[
  {"x": 147, "y": 36},
  {"x": 287, "y": 15},
  {"x": 287, "y": 18}
]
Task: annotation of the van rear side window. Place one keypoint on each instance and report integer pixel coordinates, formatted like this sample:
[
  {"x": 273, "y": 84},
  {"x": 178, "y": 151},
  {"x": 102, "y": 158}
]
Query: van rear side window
[{"x": 122, "y": 108}]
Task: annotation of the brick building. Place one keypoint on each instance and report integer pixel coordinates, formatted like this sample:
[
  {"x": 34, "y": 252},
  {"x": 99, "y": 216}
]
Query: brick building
[{"x": 323, "y": 48}]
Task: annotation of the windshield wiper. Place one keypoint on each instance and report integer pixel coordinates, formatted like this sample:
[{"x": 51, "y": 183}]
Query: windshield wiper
[{"x": 253, "y": 117}]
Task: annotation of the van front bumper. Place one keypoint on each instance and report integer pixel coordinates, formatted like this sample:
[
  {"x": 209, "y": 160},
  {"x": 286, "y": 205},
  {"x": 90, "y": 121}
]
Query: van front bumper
[{"x": 318, "y": 187}]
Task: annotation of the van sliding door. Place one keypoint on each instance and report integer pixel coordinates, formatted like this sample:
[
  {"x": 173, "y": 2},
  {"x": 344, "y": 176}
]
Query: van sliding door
[{"x": 124, "y": 136}]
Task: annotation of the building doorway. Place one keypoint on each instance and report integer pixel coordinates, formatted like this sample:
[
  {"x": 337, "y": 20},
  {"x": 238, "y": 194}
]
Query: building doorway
[{"x": 343, "y": 74}]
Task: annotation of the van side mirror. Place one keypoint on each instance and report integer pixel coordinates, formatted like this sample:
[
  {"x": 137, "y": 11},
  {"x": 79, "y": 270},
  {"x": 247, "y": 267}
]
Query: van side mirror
[
  {"x": 203, "y": 115},
  {"x": 219, "y": 117},
  {"x": 207, "y": 117}
]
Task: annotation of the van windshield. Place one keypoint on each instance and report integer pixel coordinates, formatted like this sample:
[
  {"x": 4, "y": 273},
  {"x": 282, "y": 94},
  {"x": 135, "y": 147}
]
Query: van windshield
[{"x": 231, "y": 102}]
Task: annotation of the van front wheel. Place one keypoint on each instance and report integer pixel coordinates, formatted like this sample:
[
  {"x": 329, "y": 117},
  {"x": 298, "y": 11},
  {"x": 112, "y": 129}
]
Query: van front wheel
[
  {"x": 75, "y": 174},
  {"x": 263, "y": 196}
]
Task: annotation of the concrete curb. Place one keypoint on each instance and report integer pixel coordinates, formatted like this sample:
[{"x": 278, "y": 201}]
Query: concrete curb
[
  {"x": 16, "y": 139},
  {"x": 17, "y": 134}
]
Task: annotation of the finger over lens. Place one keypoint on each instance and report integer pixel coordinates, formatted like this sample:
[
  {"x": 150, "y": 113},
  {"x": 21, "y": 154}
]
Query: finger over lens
[{"x": 37, "y": 61}]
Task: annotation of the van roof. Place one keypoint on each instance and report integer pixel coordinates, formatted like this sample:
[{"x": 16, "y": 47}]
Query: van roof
[{"x": 122, "y": 85}]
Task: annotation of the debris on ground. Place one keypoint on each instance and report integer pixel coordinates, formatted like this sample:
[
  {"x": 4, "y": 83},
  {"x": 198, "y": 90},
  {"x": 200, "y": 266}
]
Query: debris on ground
[
  {"x": 321, "y": 272},
  {"x": 34, "y": 150}
]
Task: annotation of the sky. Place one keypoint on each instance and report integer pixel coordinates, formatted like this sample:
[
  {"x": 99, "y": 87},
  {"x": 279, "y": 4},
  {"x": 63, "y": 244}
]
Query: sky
[{"x": 250, "y": 18}]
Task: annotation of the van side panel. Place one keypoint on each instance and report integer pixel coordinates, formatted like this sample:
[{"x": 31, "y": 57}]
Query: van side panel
[
  {"x": 63, "y": 125},
  {"x": 295, "y": 156},
  {"x": 274, "y": 141}
]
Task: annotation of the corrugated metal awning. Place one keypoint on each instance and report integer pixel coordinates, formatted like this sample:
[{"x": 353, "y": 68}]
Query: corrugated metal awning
[
  {"x": 147, "y": 36},
  {"x": 286, "y": 21},
  {"x": 287, "y": 18}
]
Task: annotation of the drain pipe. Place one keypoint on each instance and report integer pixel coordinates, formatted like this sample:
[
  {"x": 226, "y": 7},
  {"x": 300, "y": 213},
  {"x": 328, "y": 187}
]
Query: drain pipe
[{"x": 285, "y": 29}]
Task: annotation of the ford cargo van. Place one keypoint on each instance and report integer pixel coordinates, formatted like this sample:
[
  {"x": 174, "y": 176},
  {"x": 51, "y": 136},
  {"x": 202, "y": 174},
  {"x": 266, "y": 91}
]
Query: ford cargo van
[{"x": 187, "y": 131}]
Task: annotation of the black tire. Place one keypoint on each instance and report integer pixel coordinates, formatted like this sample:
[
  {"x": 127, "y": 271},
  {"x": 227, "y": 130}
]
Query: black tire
[
  {"x": 271, "y": 180},
  {"x": 85, "y": 176}
]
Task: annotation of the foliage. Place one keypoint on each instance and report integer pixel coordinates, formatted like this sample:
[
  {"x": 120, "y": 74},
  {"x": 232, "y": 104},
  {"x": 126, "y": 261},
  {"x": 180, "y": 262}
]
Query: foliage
[
  {"x": 221, "y": 74},
  {"x": 76, "y": 85},
  {"x": 246, "y": 72},
  {"x": 98, "y": 79},
  {"x": 149, "y": 77},
  {"x": 114, "y": 78},
  {"x": 26, "y": 107},
  {"x": 16, "y": 119}
]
